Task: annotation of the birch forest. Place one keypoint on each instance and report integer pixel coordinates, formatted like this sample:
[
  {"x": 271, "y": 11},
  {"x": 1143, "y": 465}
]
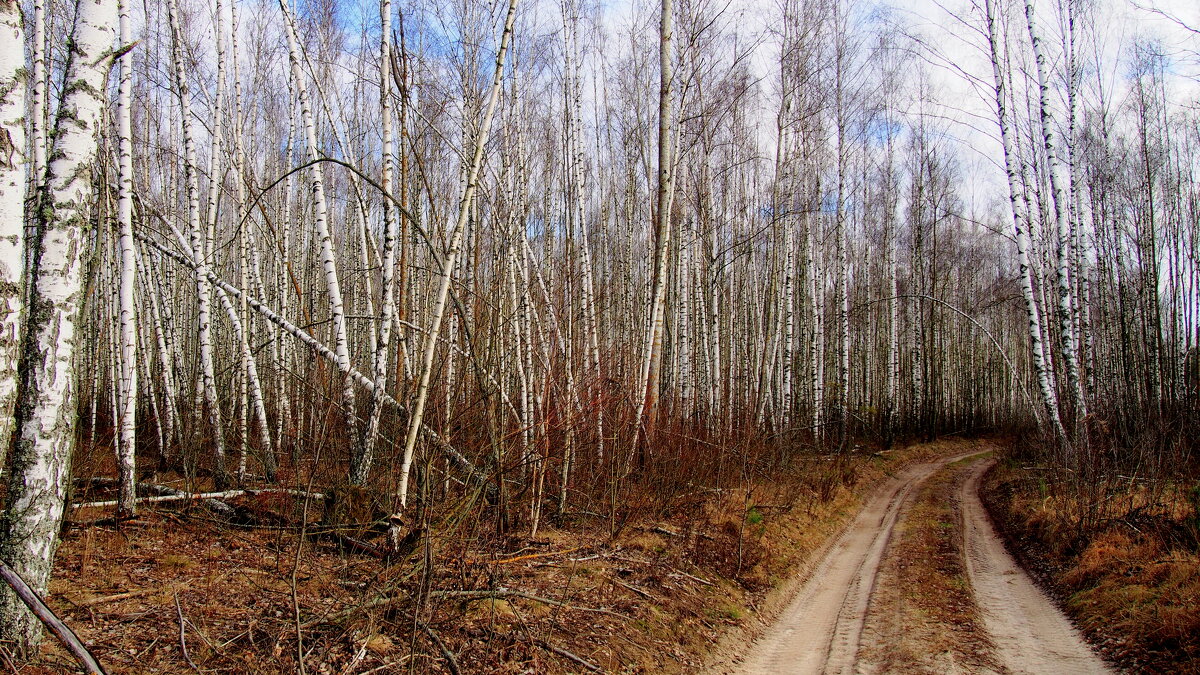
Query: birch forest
[{"x": 418, "y": 283}]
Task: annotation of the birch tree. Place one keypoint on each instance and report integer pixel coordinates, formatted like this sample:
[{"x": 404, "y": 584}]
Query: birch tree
[
  {"x": 128, "y": 385},
  {"x": 1045, "y": 377},
  {"x": 361, "y": 463},
  {"x": 45, "y": 411},
  {"x": 14, "y": 168},
  {"x": 198, "y": 245},
  {"x": 652, "y": 364},
  {"x": 451, "y": 257},
  {"x": 321, "y": 229},
  {"x": 1061, "y": 209}
]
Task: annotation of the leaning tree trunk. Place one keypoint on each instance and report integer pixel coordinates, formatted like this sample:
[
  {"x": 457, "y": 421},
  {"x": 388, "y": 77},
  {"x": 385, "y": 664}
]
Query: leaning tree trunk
[
  {"x": 1044, "y": 375},
  {"x": 45, "y": 412},
  {"x": 450, "y": 260}
]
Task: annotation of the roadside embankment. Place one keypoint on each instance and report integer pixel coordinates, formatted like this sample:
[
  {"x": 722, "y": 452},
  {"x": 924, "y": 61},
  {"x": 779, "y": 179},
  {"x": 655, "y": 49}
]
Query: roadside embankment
[{"x": 1120, "y": 554}]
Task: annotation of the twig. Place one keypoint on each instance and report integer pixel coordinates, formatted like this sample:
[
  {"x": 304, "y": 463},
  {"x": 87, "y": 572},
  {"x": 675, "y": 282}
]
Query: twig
[
  {"x": 451, "y": 663},
  {"x": 345, "y": 614},
  {"x": 498, "y": 593},
  {"x": 551, "y": 648},
  {"x": 505, "y": 593},
  {"x": 635, "y": 589},
  {"x": 628, "y": 560},
  {"x": 119, "y": 596},
  {"x": 568, "y": 655},
  {"x": 358, "y": 657},
  {"x": 294, "y": 583},
  {"x": 356, "y": 545},
  {"x": 403, "y": 660},
  {"x": 528, "y": 556},
  {"x": 44, "y": 614},
  {"x": 182, "y": 634},
  {"x": 692, "y": 577}
]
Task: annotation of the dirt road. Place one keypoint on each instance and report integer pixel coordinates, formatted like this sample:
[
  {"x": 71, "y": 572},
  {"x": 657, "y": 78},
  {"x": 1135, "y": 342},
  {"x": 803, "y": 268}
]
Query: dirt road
[
  {"x": 1028, "y": 631},
  {"x": 821, "y": 631}
]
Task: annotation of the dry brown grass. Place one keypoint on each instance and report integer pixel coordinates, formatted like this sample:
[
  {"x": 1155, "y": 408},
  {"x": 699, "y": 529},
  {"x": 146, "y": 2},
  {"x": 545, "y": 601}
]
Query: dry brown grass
[
  {"x": 1122, "y": 557},
  {"x": 675, "y": 579}
]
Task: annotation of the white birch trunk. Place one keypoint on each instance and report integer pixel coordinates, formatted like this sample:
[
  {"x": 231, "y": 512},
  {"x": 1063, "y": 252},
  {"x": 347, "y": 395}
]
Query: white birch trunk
[
  {"x": 893, "y": 362},
  {"x": 37, "y": 109},
  {"x": 45, "y": 414},
  {"x": 816, "y": 291},
  {"x": 361, "y": 466},
  {"x": 254, "y": 384},
  {"x": 341, "y": 345},
  {"x": 843, "y": 262},
  {"x": 652, "y": 365},
  {"x": 167, "y": 367},
  {"x": 1062, "y": 224},
  {"x": 128, "y": 383},
  {"x": 14, "y": 162},
  {"x": 197, "y": 241},
  {"x": 1020, "y": 219},
  {"x": 451, "y": 258},
  {"x": 576, "y": 159},
  {"x": 319, "y": 349}
]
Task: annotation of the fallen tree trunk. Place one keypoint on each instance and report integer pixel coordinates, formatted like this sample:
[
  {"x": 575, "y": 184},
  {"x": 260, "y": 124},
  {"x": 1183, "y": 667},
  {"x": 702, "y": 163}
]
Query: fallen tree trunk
[{"x": 179, "y": 496}]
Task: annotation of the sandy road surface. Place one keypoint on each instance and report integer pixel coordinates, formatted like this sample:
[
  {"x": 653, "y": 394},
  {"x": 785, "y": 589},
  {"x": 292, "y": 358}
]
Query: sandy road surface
[
  {"x": 822, "y": 628},
  {"x": 1031, "y": 635}
]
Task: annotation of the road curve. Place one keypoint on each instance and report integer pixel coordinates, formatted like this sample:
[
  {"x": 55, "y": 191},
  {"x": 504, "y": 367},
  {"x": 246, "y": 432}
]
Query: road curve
[
  {"x": 1031, "y": 635},
  {"x": 819, "y": 631}
]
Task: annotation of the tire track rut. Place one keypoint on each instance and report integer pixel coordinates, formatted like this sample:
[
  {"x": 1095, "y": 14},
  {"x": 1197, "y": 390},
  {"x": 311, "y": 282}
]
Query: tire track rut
[
  {"x": 1030, "y": 633},
  {"x": 821, "y": 630}
]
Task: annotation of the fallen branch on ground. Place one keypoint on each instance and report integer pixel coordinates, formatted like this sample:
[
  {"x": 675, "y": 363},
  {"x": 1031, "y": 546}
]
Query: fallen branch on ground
[
  {"x": 44, "y": 614},
  {"x": 121, "y": 596},
  {"x": 635, "y": 589},
  {"x": 346, "y": 614},
  {"x": 212, "y": 503},
  {"x": 506, "y": 593},
  {"x": 179, "y": 496},
  {"x": 697, "y": 579},
  {"x": 528, "y": 556},
  {"x": 568, "y": 655},
  {"x": 183, "y": 634},
  {"x": 451, "y": 662}
]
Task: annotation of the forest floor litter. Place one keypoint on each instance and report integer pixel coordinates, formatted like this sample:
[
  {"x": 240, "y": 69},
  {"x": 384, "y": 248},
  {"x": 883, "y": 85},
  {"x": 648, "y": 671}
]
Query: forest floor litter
[
  {"x": 876, "y": 562},
  {"x": 180, "y": 589}
]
